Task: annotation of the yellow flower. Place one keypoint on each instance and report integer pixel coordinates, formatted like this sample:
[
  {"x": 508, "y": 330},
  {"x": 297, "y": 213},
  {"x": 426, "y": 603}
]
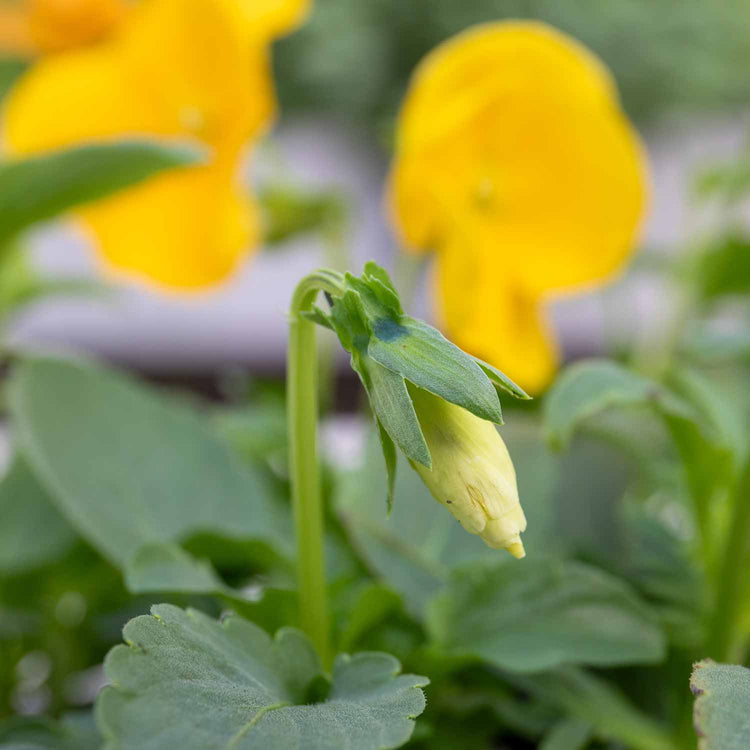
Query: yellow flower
[
  {"x": 472, "y": 473},
  {"x": 515, "y": 163},
  {"x": 192, "y": 69},
  {"x": 33, "y": 27}
]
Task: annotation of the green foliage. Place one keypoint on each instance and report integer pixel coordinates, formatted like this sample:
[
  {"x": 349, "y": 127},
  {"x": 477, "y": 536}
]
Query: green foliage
[
  {"x": 161, "y": 476},
  {"x": 229, "y": 685},
  {"x": 75, "y": 731},
  {"x": 37, "y": 188},
  {"x": 722, "y": 701},
  {"x": 545, "y": 615},
  {"x": 33, "y": 532}
]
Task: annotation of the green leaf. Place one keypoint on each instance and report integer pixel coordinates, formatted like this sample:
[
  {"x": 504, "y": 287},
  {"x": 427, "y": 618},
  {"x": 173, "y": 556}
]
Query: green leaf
[
  {"x": 542, "y": 614},
  {"x": 75, "y": 731},
  {"x": 32, "y": 532},
  {"x": 501, "y": 381},
  {"x": 141, "y": 468},
  {"x": 588, "y": 388},
  {"x": 724, "y": 268},
  {"x": 590, "y": 698},
  {"x": 40, "y": 187},
  {"x": 425, "y": 357},
  {"x": 722, "y": 703},
  {"x": 568, "y": 734},
  {"x": 229, "y": 685}
]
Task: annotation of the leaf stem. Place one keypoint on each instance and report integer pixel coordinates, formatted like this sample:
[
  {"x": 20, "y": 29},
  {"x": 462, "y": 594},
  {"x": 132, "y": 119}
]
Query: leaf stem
[
  {"x": 732, "y": 572},
  {"x": 302, "y": 417}
]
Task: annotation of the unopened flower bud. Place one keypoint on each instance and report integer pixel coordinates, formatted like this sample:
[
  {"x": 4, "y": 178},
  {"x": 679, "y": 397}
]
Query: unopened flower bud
[{"x": 472, "y": 474}]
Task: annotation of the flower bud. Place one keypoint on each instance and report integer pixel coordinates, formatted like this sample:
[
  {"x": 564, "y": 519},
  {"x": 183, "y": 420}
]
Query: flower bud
[{"x": 472, "y": 474}]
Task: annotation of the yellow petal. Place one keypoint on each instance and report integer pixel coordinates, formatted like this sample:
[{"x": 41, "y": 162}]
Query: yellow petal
[
  {"x": 275, "y": 17},
  {"x": 491, "y": 317},
  {"x": 187, "y": 229},
  {"x": 180, "y": 68},
  {"x": 516, "y": 125},
  {"x": 57, "y": 25}
]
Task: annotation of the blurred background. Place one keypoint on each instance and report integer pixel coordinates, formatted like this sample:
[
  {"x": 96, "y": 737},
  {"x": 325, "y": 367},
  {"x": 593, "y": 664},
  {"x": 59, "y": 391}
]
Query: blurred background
[{"x": 681, "y": 69}]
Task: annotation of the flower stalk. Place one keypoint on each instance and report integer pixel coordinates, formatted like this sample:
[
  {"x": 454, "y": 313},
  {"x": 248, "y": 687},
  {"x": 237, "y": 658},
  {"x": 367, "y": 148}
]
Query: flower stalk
[{"x": 302, "y": 418}]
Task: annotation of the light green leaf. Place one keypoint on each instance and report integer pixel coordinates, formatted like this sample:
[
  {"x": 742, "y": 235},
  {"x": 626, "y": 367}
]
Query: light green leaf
[
  {"x": 128, "y": 467},
  {"x": 229, "y": 685},
  {"x": 568, "y": 734},
  {"x": 75, "y": 731},
  {"x": 722, "y": 705},
  {"x": 32, "y": 531},
  {"x": 588, "y": 388},
  {"x": 542, "y": 614},
  {"x": 390, "y": 457},
  {"x": 40, "y": 187},
  {"x": 425, "y": 357}
]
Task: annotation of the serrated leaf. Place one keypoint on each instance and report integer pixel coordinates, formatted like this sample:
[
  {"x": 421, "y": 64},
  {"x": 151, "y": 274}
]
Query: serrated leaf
[
  {"x": 502, "y": 381},
  {"x": 543, "y": 614},
  {"x": 422, "y": 355},
  {"x": 141, "y": 469},
  {"x": 229, "y": 685},
  {"x": 40, "y": 187},
  {"x": 32, "y": 531},
  {"x": 590, "y": 387},
  {"x": 316, "y": 315},
  {"x": 722, "y": 704},
  {"x": 374, "y": 271},
  {"x": 350, "y": 321}
]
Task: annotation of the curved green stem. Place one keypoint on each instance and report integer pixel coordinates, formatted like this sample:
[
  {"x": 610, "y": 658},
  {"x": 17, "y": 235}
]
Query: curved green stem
[
  {"x": 732, "y": 572},
  {"x": 302, "y": 417}
]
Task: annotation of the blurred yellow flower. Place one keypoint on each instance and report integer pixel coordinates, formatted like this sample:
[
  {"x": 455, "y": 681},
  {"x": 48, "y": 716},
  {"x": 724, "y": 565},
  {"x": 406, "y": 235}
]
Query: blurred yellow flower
[
  {"x": 195, "y": 69},
  {"x": 515, "y": 163},
  {"x": 32, "y": 27}
]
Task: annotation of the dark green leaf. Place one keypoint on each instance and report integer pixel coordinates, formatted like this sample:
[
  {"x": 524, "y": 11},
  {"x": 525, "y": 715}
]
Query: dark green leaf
[
  {"x": 541, "y": 614},
  {"x": 722, "y": 704},
  {"x": 229, "y": 685},
  {"x": 425, "y": 357},
  {"x": 32, "y": 531},
  {"x": 724, "y": 268},
  {"x": 75, "y": 731},
  {"x": 40, "y": 187}
]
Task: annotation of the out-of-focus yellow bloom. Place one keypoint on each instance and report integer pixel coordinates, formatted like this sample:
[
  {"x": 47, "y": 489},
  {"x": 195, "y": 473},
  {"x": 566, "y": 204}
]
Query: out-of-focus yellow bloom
[
  {"x": 472, "y": 473},
  {"x": 36, "y": 27},
  {"x": 517, "y": 166},
  {"x": 196, "y": 69}
]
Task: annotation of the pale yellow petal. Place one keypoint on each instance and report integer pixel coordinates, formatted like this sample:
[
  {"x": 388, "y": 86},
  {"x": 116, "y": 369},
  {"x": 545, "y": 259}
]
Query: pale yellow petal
[{"x": 187, "y": 229}]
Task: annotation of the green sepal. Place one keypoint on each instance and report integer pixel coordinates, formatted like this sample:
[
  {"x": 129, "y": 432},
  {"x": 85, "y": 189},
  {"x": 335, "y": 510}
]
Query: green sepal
[
  {"x": 316, "y": 315},
  {"x": 501, "y": 381},
  {"x": 426, "y": 358},
  {"x": 389, "y": 455},
  {"x": 393, "y": 408}
]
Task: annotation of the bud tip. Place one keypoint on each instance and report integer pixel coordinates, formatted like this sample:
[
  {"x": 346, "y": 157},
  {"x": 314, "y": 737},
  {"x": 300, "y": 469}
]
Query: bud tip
[{"x": 516, "y": 549}]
